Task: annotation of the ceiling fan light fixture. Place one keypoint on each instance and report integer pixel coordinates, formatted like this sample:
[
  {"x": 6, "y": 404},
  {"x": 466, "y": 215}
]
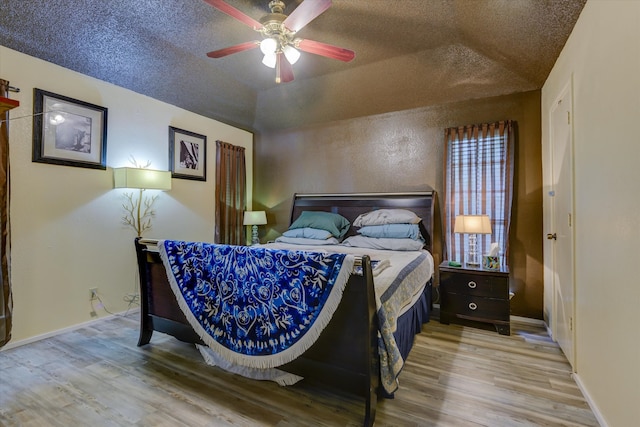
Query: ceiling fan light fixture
[
  {"x": 269, "y": 46},
  {"x": 292, "y": 54},
  {"x": 278, "y": 45},
  {"x": 269, "y": 60}
]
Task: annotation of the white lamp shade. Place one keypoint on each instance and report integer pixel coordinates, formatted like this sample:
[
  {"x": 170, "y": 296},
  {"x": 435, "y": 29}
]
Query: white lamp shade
[
  {"x": 472, "y": 224},
  {"x": 269, "y": 46},
  {"x": 270, "y": 60},
  {"x": 291, "y": 53},
  {"x": 147, "y": 179},
  {"x": 255, "y": 218}
]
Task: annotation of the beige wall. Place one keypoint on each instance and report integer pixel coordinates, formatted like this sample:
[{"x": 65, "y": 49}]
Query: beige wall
[
  {"x": 603, "y": 55},
  {"x": 404, "y": 151},
  {"x": 66, "y": 230}
]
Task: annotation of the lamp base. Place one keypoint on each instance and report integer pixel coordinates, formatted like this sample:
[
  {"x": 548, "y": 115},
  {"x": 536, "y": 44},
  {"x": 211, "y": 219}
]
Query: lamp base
[
  {"x": 472, "y": 260},
  {"x": 472, "y": 257},
  {"x": 254, "y": 235}
]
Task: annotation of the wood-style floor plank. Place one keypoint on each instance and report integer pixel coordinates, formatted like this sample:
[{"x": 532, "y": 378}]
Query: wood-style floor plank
[{"x": 454, "y": 376}]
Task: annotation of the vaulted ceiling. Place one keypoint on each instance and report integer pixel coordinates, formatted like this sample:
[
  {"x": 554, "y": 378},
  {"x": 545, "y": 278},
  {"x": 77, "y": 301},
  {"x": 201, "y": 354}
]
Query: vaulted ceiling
[{"x": 409, "y": 53}]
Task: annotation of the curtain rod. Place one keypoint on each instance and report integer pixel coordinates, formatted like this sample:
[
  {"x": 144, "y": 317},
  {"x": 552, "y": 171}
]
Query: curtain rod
[{"x": 13, "y": 89}]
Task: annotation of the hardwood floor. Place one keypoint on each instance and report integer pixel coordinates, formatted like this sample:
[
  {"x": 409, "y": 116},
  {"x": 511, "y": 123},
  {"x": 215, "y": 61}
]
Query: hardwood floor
[{"x": 454, "y": 376}]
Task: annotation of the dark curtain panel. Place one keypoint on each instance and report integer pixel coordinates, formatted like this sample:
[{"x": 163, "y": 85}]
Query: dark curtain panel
[
  {"x": 231, "y": 194},
  {"x": 479, "y": 169},
  {"x": 6, "y": 303}
]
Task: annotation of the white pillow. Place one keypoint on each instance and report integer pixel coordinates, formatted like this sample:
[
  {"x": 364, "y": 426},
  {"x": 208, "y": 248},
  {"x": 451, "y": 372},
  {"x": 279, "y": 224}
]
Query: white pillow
[
  {"x": 386, "y": 216},
  {"x": 304, "y": 241},
  {"x": 308, "y": 233},
  {"x": 360, "y": 241}
]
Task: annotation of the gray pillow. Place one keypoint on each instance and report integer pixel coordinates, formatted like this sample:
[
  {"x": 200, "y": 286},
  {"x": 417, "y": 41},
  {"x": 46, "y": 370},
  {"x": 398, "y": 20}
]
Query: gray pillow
[{"x": 334, "y": 223}]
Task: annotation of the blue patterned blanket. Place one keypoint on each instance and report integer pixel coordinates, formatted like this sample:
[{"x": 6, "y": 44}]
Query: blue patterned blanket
[{"x": 255, "y": 306}]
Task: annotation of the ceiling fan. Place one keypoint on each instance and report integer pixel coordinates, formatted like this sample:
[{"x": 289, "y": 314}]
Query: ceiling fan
[{"x": 279, "y": 44}]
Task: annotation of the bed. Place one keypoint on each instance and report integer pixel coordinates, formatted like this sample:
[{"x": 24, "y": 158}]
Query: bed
[{"x": 346, "y": 354}]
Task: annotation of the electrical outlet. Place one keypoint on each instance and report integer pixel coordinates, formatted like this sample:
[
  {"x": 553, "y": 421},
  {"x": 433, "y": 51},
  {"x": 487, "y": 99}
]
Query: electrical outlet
[{"x": 94, "y": 293}]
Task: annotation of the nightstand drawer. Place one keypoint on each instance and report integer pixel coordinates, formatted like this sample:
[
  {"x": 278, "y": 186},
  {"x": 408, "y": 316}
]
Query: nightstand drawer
[
  {"x": 477, "y": 307},
  {"x": 475, "y": 295},
  {"x": 474, "y": 284}
]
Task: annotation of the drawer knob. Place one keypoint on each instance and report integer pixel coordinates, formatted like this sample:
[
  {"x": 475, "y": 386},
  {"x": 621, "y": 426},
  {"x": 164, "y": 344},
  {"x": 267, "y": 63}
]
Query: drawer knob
[
  {"x": 473, "y": 305},
  {"x": 472, "y": 284}
]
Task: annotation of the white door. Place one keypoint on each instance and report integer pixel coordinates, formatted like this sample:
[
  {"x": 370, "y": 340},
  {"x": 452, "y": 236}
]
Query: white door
[{"x": 561, "y": 140}]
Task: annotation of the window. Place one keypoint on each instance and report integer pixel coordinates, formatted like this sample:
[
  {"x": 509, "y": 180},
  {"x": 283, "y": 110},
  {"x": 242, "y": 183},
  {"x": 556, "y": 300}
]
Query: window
[{"x": 479, "y": 181}]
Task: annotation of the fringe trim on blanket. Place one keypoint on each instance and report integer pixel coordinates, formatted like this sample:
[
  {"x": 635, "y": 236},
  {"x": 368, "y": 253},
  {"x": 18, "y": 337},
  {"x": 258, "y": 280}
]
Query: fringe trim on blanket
[
  {"x": 270, "y": 374},
  {"x": 274, "y": 360}
]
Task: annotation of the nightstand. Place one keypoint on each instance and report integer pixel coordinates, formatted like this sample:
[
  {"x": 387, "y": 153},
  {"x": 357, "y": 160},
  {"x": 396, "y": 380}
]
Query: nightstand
[{"x": 475, "y": 294}]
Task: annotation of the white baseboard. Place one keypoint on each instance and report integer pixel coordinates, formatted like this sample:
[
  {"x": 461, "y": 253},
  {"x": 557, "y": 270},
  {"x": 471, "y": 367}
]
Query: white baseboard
[
  {"x": 549, "y": 332},
  {"x": 527, "y": 320},
  {"x": 590, "y": 401},
  {"x": 14, "y": 344}
]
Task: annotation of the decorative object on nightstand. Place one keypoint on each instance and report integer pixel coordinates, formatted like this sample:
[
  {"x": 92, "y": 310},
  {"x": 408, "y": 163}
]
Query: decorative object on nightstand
[
  {"x": 254, "y": 219},
  {"x": 142, "y": 179},
  {"x": 472, "y": 225},
  {"x": 475, "y": 294}
]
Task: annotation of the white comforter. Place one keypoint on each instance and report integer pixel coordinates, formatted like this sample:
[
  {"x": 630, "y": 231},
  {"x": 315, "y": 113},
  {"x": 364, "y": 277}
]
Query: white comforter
[{"x": 390, "y": 265}]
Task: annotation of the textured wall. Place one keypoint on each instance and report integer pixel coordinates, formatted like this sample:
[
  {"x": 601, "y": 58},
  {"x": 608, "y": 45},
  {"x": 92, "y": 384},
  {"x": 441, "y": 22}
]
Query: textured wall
[
  {"x": 66, "y": 229},
  {"x": 404, "y": 151}
]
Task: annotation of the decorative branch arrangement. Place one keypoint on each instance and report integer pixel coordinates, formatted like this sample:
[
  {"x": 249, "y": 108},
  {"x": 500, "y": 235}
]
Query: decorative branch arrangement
[{"x": 136, "y": 217}]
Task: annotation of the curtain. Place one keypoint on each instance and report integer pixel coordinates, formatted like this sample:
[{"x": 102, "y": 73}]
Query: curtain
[
  {"x": 231, "y": 195},
  {"x": 479, "y": 170},
  {"x": 6, "y": 302}
]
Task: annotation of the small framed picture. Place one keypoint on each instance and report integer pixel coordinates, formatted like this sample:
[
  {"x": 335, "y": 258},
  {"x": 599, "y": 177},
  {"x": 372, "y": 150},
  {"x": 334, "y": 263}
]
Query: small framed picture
[
  {"x": 187, "y": 154},
  {"x": 68, "y": 132}
]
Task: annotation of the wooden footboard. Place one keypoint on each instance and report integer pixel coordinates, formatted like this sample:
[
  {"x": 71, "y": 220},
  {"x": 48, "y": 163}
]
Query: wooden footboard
[
  {"x": 344, "y": 356},
  {"x": 159, "y": 310}
]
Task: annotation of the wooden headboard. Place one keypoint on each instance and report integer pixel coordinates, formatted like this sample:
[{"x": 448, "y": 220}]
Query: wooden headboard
[{"x": 350, "y": 205}]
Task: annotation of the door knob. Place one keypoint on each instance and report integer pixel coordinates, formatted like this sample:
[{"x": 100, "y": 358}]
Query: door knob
[{"x": 552, "y": 236}]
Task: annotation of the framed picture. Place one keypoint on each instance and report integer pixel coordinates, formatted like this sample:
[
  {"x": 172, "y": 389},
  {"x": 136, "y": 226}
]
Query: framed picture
[
  {"x": 68, "y": 132},
  {"x": 187, "y": 154}
]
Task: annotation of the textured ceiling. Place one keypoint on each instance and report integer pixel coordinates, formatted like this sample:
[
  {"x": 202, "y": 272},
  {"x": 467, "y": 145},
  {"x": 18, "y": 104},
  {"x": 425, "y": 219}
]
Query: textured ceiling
[{"x": 409, "y": 53}]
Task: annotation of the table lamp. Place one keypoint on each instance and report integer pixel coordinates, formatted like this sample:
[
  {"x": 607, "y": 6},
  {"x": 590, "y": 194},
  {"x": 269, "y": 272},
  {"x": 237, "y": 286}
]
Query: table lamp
[
  {"x": 254, "y": 219},
  {"x": 472, "y": 225}
]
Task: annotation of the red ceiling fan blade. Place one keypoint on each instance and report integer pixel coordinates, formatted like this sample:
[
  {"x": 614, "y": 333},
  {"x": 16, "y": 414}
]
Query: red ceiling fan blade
[
  {"x": 284, "y": 70},
  {"x": 305, "y": 13},
  {"x": 235, "y": 13},
  {"x": 233, "y": 49},
  {"x": 324, "y": 49}
]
